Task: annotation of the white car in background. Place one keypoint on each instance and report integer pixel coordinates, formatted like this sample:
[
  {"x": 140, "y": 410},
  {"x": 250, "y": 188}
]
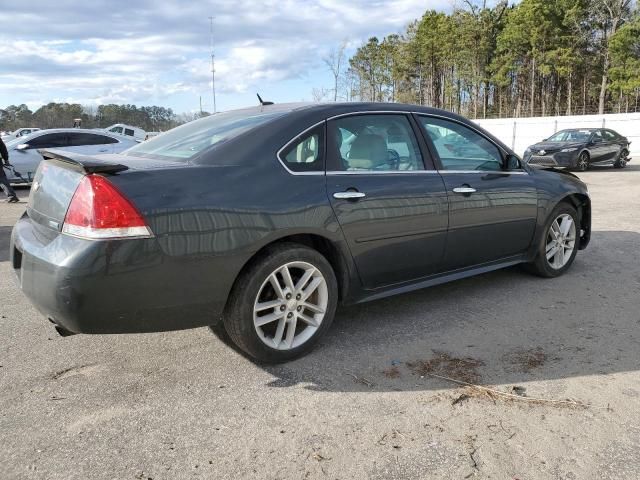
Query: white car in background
[
  {"x": 128, "y": 131},
  {"x": 24, "y": 155},
  {"x": 21, "y": 132}
]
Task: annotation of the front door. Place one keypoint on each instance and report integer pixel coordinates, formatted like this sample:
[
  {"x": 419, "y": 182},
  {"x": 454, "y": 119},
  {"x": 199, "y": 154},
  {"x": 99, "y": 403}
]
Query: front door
[
  {"x": 492, "y": 210},
  {"x": 392, "y": 210}
]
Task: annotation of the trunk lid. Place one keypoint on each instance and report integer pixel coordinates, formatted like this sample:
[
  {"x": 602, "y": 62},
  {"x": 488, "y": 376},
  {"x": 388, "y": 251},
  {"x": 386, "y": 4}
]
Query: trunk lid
[{"x": 58, "y": 176}]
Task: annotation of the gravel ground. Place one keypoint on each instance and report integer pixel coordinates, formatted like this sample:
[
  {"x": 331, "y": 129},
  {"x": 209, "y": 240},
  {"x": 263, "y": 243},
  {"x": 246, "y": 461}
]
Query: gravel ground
[{"x": 362, "y": 405}]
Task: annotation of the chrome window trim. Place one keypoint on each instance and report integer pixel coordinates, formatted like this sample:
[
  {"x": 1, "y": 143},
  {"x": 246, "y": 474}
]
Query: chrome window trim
[
  {"x": 370, "y": 112},
  {"x": 487, "y": 172},
  {"x": 382, "y": 172},
  {"x": 286, "y": 145},
  {"x": 394, "y": 172}
]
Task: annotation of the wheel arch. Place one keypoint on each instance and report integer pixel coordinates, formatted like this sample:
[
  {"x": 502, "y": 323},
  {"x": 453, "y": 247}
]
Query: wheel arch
[
  {"x": 336, "y": 257},
  {"x": 582, "y": 203}
]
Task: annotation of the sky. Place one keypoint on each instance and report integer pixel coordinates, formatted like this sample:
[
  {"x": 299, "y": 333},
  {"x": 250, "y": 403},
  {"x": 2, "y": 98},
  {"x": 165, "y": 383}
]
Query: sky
[{"x": 157, "y": 52}]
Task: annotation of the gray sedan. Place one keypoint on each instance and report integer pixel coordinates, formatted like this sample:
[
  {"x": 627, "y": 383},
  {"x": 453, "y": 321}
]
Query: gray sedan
[{"x": 24, "y": 155}]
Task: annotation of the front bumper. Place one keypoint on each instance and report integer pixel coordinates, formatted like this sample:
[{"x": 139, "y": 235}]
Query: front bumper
[
  {"x": 119, "y": 286},
  {"x": 557, "y": 159}
]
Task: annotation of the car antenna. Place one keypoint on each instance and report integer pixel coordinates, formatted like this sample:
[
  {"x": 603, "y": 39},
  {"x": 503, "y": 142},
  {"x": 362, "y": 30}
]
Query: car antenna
[{"x": 262, "y": 102}]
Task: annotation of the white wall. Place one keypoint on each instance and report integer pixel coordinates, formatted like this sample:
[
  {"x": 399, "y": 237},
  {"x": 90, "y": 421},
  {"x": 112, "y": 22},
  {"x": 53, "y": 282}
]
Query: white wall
[{"x": 519, "y": 133}]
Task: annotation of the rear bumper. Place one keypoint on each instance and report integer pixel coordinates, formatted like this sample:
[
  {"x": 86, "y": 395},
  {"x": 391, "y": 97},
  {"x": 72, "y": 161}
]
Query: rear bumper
[{"x": 121, "y": 286}]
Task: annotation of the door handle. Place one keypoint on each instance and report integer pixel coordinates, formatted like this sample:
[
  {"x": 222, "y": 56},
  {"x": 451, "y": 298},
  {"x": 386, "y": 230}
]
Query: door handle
[
  {"x": 349, "y": 195},
  {"x": 464, "y": 190}
]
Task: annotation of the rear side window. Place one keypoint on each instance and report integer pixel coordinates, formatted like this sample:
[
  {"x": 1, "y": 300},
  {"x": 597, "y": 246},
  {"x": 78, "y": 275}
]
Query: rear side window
[
  {"x": 305, "y": 153},
  {"x": 80, "y": 139},
  {"x": 128, "y": 131},
  {"x": 51, "y": 140},
  {"x": 609, "y": 135},
  {"x": 373, "y": 142}
]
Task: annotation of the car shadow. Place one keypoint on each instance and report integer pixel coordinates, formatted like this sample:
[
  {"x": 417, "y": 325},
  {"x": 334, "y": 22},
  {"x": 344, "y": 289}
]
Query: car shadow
[
  {"x": 505, "y": 327},
  {"x": 631, "y": 167}
]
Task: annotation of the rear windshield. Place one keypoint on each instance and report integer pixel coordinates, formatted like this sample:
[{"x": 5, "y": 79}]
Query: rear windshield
[{"x": 189, "y": 140}]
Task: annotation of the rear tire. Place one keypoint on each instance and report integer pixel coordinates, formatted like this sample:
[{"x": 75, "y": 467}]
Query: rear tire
[
  {"x": 282, "y": 304},
  {"x": 621, "y": 162},
  {"x": 559, "y": 243}
]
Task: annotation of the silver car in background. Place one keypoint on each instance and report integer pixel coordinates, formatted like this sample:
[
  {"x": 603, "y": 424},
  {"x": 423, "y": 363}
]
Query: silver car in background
[{"x": 24, "y": 155}]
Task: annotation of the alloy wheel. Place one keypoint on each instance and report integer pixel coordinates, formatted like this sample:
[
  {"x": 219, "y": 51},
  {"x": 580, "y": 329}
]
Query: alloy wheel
[
  {"x": 561, "y": 241},
  {"x": 583, "y": 162},
  {"x": 290, "y": 305},
  {"x": 622, "y": 159}
]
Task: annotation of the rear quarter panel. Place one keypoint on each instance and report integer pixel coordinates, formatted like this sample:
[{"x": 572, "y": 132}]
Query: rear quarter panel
[{"x": 209, "y": 221}]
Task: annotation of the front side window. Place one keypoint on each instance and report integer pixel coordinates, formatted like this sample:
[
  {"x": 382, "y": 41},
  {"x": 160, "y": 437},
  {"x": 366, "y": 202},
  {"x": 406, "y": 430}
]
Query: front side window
[
  {"x": 377, "y": 142},
  {"x": 461, "y": 148},
  {"x": 116, "y": 130},
  {"x": 597, "y": 137},
  {"x": 306, "y": 153},
  {"x": 50, "y": 140}
]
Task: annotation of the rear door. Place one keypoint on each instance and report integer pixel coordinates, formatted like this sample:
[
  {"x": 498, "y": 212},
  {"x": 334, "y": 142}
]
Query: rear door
[
  {"x": 492, "y": 210},
  {"x": 612, "y": 141},
  {"x": 390, "y": 203}
]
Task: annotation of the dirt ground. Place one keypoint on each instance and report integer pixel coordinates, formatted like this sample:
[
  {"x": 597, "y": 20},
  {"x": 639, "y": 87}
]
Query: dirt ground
[{"x": 366, "y": 403}]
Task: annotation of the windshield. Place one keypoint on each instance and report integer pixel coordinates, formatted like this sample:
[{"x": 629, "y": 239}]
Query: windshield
[
  {"x": 571, "y": 136},
  {"x": 187, "y": 141}
]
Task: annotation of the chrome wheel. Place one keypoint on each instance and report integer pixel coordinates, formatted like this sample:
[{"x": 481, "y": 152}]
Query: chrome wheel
[
  {"x": 290, "y": 305},
  {"x": 561, "y": 241}
]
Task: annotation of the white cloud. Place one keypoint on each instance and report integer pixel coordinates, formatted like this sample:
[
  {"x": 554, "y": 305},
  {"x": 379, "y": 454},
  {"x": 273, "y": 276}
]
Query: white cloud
[{"x": 144, "y": 51}]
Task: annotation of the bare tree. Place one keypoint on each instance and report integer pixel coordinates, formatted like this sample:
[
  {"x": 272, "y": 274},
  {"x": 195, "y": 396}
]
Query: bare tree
[
  {"x": 610, "y": 15},
  {"x": 319, "y": 94},
  {"x": 335, "y": 60}
]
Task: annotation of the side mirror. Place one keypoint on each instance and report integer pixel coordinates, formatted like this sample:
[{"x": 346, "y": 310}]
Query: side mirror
[
  {"x": 511, "y": 162},
  {"x": 22, "y": 146},
  {"x": 596, "y": 140}
]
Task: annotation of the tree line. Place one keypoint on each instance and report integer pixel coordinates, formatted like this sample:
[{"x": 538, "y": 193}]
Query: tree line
[
  {"x": 59, "y": 115},
  {"x": 538, "y": 57}
]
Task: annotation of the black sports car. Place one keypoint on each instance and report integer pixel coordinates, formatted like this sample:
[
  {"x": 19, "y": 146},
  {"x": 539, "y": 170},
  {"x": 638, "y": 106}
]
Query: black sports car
[
  {"x": 267, "y": 218},
  {"x": 580, "y": 148}
]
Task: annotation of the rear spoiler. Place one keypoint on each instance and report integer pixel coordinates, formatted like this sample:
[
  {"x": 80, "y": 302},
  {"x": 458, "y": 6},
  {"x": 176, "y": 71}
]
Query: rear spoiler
[{"x": 82, "y": 163}]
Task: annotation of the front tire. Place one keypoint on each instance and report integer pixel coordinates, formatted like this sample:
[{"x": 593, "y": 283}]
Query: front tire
[
  {"x": 282, "y": 304},
  {"x": 582, "y": 164},
  {"x": 559, "y": 244}
]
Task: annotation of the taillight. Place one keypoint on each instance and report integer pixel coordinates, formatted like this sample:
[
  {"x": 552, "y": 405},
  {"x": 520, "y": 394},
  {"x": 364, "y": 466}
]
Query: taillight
[{"x": 99, "y": 211}]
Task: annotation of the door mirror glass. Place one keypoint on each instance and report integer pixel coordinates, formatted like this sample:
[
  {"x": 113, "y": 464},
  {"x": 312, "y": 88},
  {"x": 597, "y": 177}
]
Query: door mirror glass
[{"x": 22, "y": 146}]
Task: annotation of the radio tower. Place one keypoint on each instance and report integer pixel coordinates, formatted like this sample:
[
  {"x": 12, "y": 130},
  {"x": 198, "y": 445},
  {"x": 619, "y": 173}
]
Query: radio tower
[{"x": 213, "y": 68}]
